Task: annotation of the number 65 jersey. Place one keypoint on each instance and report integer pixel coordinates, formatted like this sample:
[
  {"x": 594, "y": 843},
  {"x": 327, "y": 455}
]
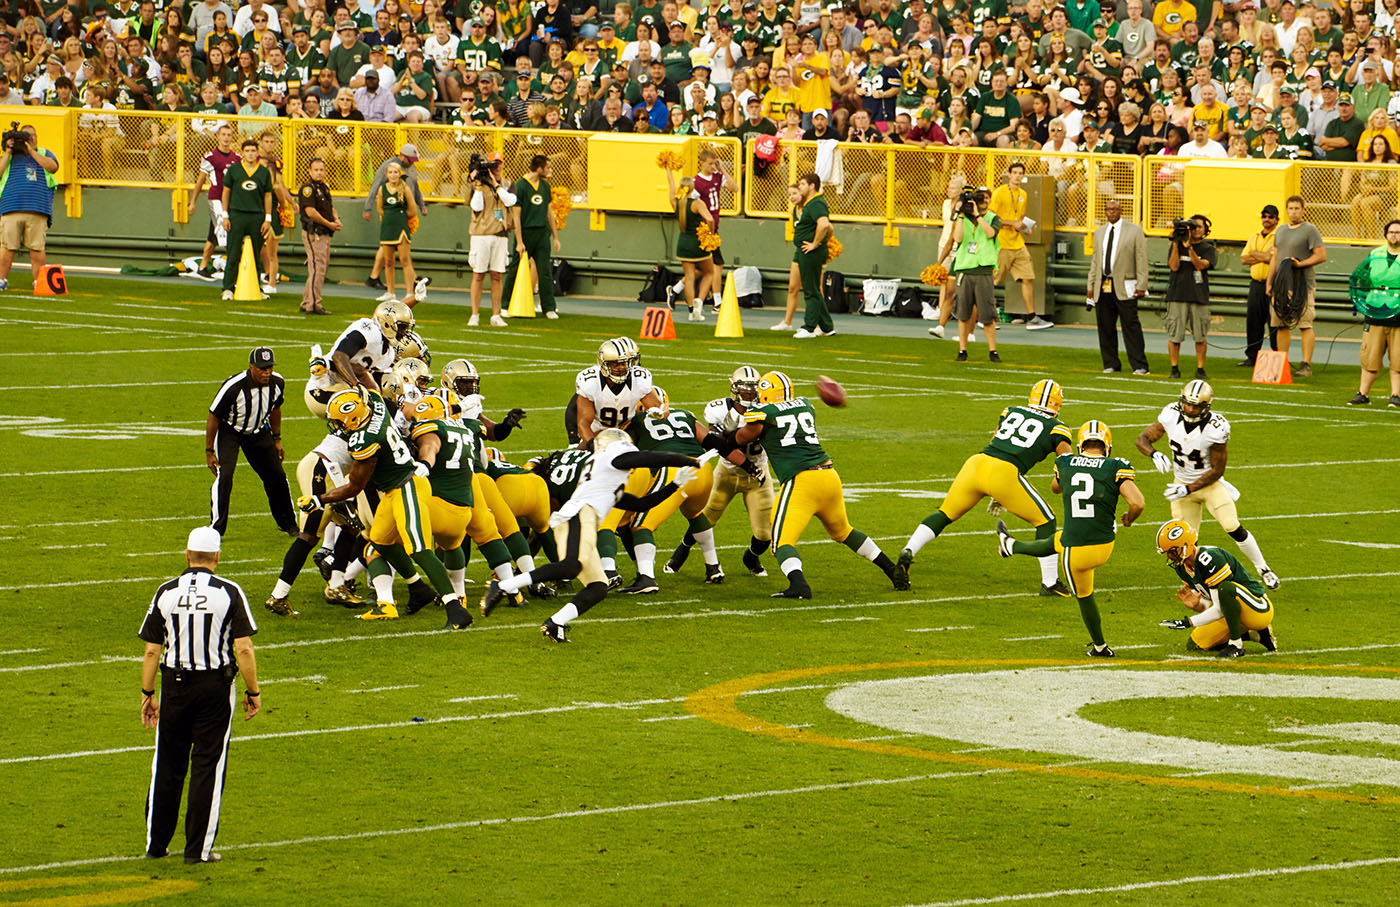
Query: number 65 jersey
[
  {"x": 613, "y": 405},
  {"x": 1025, "y": 436},
  {"x": 1191, "y": 441}
]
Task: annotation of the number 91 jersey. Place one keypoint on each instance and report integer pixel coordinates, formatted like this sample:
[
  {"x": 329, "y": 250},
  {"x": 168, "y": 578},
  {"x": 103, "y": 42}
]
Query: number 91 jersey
[
  {"x": 613, "y": 406},
  {"x": 1024, "y": 437},
  {"x": 1191, "y": 441}
]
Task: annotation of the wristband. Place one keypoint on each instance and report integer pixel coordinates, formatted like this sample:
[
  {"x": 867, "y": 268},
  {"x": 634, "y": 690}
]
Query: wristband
[
  {"x": 267, "y": 218},
  {"x": 277, "y": 436},
  {"x": 249, "y": 694},
  {"x": 148, "y": 692}
]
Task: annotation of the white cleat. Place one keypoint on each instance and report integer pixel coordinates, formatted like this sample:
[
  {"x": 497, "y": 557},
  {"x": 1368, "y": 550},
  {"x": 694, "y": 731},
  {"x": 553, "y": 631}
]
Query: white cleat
[
  {"x": 805, "y": 334},
  {"x": 497, "y": 321},
  {"x": 552, "y": 316},
  {"x": 1270, "y": 578},
  {"x": 1004, "y": 540},
  {"x": 386, "y": 296}
]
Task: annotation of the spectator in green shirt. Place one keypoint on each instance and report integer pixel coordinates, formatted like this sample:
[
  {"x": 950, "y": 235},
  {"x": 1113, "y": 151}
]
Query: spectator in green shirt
[
  {"x": 413, "y": 92},
  {"x": 352, "y": 54}
]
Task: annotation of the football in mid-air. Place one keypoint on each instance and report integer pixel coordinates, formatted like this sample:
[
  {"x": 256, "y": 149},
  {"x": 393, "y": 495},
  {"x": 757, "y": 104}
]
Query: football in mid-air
[{"x": 832, "y": 394}]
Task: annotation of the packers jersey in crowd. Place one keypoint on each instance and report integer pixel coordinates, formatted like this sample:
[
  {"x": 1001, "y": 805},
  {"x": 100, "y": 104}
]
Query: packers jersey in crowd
[
  {"x": 451, "y": 472},
  {"x": 613, "y": 405},
  {"x": 394, "y": 462},
  {"x": 1024, "y": 437},
  {"x": 1090, "y": 489},
  {"x": 673, "y": 434},
  {"x": 1216, "y": 566},
  {"x": 789, "y": 436},
  {"x": 1191, "y": 441}
]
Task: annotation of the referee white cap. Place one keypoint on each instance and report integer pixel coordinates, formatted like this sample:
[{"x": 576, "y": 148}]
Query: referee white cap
[{"x": 205, "y": 539}]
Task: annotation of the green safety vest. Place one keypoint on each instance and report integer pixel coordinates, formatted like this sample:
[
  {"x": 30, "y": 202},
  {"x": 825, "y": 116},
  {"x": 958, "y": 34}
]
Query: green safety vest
[
  {"x": 977, "y": 250},
  {"x": 48, "y": 177}
]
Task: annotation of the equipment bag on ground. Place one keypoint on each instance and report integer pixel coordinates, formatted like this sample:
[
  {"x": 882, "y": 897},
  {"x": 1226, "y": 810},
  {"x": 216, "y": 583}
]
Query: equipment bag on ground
[
  {"x": 878, "y": 295},
  {"x": 654, "y": 290},
  {"x": 748, "y": 287},
  {"x": 834, "y": 292},
  {"x": 564, "y": 277}
]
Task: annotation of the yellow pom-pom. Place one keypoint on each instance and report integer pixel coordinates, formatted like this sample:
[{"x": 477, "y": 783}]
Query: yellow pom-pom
[
  {"x": 413, "y": 225},
  {"x": 833, "y": 249},
  {"x": 934, "y": 275},
  {"x": 287, "y": 216},
  {"x": 669, "y": 160},
  {"x": 709, "y": 239}
]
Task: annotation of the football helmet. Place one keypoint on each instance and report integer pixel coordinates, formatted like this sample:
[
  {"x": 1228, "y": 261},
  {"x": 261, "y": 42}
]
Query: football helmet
[
  {"x": 1197, "y": 396},
  {"x": 616, "y": 358},
  {"x": 607, "y": 438},
  {"x": 413, "y": 373},
  {"x": 743, "y": 385},
  {"x": 774, "y": 387},
  {"x": 412, "y": 346},
  {"x": 431, "y": 408},
  {"x": 349, "y": 411},
  {"x": 1048, "y": 396},
  {"x": 1177, "y": 540},
  {"x": 1094, "y": 430},
  {"x": 462, "y": 377},
  {"x": 393, "y": 318},
  {"x": 663, "y": 409},
  {"x": 391, "y": 387},
  {"x": 450, "y": 401}
]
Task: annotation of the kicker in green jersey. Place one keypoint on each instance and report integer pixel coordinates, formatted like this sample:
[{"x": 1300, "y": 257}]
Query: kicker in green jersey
[
  {"x": 1090, "y": 489},
  {"x": 1214, "y": 568},
  {"x": 1025, "y": 436},
  {"x": 789, "y": 436}
]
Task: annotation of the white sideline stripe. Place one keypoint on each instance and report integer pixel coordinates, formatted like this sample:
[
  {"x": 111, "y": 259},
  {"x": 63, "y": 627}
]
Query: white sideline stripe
[
  {"x": 509, "y": 820},
  {"x": 186, "y": 349},
  {"x": 1166, "y": 883},
  {"x": 483, "y": 698},
  {"x": 1359, "y": 544},
  {"x": 668, "y": 718},
  {"x": 74, "y": 472},
  {"x": 1029, "y": 638},
  {"x": 844, "y": 620},
  {"x": 67, "y": 387},
  {"x": 309, "y": 678},
  {"x": 402, "y": 686},
  {"x": 925, "y": 629},
  {"x": 1145, "y": 645},
  {"x": 19, "y": 651},
  {"x": 83, "y": 545}
]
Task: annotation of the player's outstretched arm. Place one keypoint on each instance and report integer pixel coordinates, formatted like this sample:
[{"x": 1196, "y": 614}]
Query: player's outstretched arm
[{"x": 1136, "y": 502}]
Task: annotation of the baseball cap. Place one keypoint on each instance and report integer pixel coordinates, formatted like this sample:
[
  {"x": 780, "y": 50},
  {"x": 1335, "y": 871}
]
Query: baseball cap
[
  {"x": 527, "y": 76},
  {"x": 478, "y": 22},
  {"x": 1269, "y": 211},
  {"x": 821, "y": 112},
  {"x": 261, "y": 357},
  {"x": 750, "y": 6},
  {"x": 1288, "y": 88},
  {"x": 1072, "y": 96},
  {"x": 1344, "y": 98},
  {"x": 300, "y": 29},
  {"x": 677, "y": 24},
  {"x": 925, "y": 113},
  {"x": 1311, "y": 73},
  {"x": 372, "y": 74},
  {"x": 753, "y": 99},
  {"x": 409, "y": 151},
  {"x": 1099, "y": 22},
  {"x": 349, "y": 26},
  {"x": 1329, "y": 85},
  {"x": 1269, "y": 127},
  {"x": 253, "y": 87},
  {"x": 54, "y": 58},
  {"x": 1200, "y": 124},
  {"x": 1090, "y": 124},
  {"x": 204, "y": 539},
  {"x": 1258, "y": 105}
]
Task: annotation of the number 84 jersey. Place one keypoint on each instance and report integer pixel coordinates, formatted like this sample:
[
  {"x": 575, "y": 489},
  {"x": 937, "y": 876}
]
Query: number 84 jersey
[
  {"x": 1025, "y": 436},
  {"x": 613, "y": 406},
  {"x": 1191, "y": 441}
]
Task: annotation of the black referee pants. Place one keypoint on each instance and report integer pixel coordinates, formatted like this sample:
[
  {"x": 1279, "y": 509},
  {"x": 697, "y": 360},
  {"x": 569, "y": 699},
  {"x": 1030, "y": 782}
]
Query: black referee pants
[
  {"x": 196, "y": 718},
  {"x": 261, "y": 452}
]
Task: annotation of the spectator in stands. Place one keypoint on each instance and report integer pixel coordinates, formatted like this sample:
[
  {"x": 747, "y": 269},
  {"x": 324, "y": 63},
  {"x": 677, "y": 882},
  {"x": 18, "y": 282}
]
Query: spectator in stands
[
  {"x": 255, "y": 106},
  {"x": 26, "y": 201},
  {"x": 352, "y": 54},
  {"x": 878, "y": 85},
  {"x": 1300, "y": 243},
  {"x": 1201, "y": 144},
  {"x": 1370, "y": 93},
  {"x": 1091, "y": 139},
  {"x": 413, "y": 92},
  {"x": 376, "y": 103},
  {"x": 1188, "y": 294},
  {"x": 1070, "y": 113},
  {"x": 1342, "y": 136}
]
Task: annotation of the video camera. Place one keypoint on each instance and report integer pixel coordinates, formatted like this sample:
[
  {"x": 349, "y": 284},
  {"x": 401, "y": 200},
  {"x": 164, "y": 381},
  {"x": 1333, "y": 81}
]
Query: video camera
[
  {"x": 15, "y": 140},
  {"x": 481, "y": 170},
  {"x": 1181, "y": 230},
  {"x": 967, "y": 202}
]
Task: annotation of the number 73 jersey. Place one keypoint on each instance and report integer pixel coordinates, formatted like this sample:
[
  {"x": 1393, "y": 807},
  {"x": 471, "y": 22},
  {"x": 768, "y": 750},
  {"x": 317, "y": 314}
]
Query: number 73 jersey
[
  {"x": 1191, "y": 441},
  {"x": 1090, "y": 489},
  {"x": 789, "y": 436},
  {"x": 1024, "y": 437}
]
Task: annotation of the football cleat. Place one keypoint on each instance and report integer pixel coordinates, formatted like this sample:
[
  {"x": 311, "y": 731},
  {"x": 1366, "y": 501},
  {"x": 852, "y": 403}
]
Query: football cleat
[
  {"x": 901, "y": 566},
  {"x": 1175, "y": 623},
  {"x": 1099, "y": 652},
  {"x": 671, "y": 295},
  {"x": 420, "y": 596},
  {"x": 754, "y": 565},
  {"x": 344, "y": 595},
  {"x": 1059, "y": 590},
  {"x": 280, "y": 606},
  {"x": 1004, "y": 540},
  {"x": 794, "y": 591},
  {"x": 677, "y": 559},
  {"x": 381, "y": 611},
  {"x": 900, "y": 581},
  {"x": 614, "y": 579},
  {"x": 554, "y": 632},
  {"x": 1270, "y": 578},
  {"x": 1267, "y": 639},
  {"x": 642, "y": 585},
  {"x": 1230, "y": 650},
  {"x": 458, "y": 617},
  {"x": 714, "y": 574},
  {"x": 515, "y": 600},
  {"x": 491, "y": 598},
  {"x": 542, "y": 590},
  {"x": 324, "y": 559}
]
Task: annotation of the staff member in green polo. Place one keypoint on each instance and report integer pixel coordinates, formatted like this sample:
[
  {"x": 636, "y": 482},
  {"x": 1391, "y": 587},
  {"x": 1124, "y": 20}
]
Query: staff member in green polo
[
  {"x": 248, "y": 207},
  {"x": 535, "y": 230},
  {"x": 809, "y": 235}
]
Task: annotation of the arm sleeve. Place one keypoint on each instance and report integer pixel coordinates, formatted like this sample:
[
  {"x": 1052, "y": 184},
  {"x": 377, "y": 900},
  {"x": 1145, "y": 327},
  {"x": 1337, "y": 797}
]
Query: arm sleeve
[
  {"x": 640, "y": 505},
  {"x": 635, "y": 459},
  {"x": 153, "y": 627},
  {"x": 478, "y": 203},
  {"x": 279, "y": 395},
  {"x": 506, "y": 196}
]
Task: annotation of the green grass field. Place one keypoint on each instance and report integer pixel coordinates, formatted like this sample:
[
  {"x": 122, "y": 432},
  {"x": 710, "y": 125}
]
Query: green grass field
[{"x": 707, "y": 745}]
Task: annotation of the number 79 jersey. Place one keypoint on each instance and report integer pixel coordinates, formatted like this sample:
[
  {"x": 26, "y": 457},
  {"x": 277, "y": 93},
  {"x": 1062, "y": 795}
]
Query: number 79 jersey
[
  {"x": 613, "y": 407},
  {"x": 1090, "y": 489},
  {"x": 1024, "y": 437},
  {"x": 1191, "y": 442},
  {"x": 789, "y": 436}
]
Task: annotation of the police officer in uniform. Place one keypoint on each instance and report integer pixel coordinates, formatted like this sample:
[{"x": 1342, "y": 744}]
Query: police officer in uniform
[
  {"x": 197, "y": 632},
  {"x": 319, "y": 221}
]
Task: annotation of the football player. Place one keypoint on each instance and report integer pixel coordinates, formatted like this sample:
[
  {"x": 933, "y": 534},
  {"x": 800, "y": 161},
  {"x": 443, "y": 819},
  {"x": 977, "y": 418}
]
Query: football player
[
  {"x": 402, "y": 531},
  {"x": 1091, "y": 481},
  {"x": 609, "y": 394},
  {"x": 1199, "y": 438},
  {"x": 366, "y": 349},
  {"x": 755, "y": 484},
  {"x": 1025, "y": 435},
  {"x": 526, "y": 494},
  {"x": 1230, "y": 604},
  {"x": 411, "y": 345},
  {"x": 599, "y": 489},
  {"x": 463, "y": 379},
  {"x": 785, "y": 425}
]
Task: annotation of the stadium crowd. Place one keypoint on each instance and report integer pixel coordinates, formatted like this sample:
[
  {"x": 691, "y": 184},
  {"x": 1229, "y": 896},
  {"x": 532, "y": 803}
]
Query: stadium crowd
[{"x": 1188, "y": 77}]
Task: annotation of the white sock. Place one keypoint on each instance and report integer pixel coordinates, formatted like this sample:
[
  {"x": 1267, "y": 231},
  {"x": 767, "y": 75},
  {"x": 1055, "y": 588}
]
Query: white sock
[
  {"x": 281, "y": 589},
  {"x": 791, "y": 565},
  {"x": 678, "y": 287},
  {"x": 415, "y": 578},
  {"x": 1251, "y": 550},
  {"x": 1208, "y": 616},
  {"x": 645, "y": 553},
  {"x": 515, "y": 583},
  {"x": 718, "y": 298},
  {"x": 609, "y": 564},
  {"x": 706, "y": 540},
  {"x": 869, "y": 549},
  {"x": 459, "y": 580},
  {"x": 526, "y": 563},
  {"x": 354, "y": 569},
  {"x": 384, "y": 587},
  {"x": 337, "y": 578},
  {"x": 565, "y": 614},
  {"x": 332, "y": 534},
  {"x": 504, "y": 571},
  {"x": 1237, "y": 642},
  {"x": 921, "y": 537},
  {"x": 1049, "y": 569}
]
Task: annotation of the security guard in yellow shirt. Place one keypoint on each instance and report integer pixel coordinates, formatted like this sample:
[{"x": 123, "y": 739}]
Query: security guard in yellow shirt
[{"x": 1258, "y": 252}]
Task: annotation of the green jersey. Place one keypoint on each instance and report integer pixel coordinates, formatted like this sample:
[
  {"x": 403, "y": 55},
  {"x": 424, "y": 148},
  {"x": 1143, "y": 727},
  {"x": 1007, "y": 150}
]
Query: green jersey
[
  {"x": 1214, "y": 568},
  {"x": 674, "y": 434},
  {"x": 477, "y": 57},
  {"x": 534, "y": 204},
  {"x": 452, "y": 470},
  {"x": 1090, "y": 489},
  {"x": 1025, "y": 436},
  {"x": 247, "y": 189},
  {"x": 805, "y": 229},
  {"x": 565, "y": 472},
  {"x": 393, "y": 464},
  {"x": 789, "y": 436},
  {"x": 497, "y": 467}
]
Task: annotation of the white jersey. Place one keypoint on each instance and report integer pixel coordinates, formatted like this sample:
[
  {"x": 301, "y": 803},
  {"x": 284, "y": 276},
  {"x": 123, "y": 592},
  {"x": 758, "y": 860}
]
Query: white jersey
[
  {"x": 333, "y": 449},
  {"x": 723, "y": 416},
  {"x": 601, "y": 484},
  {"x": 613, "y": 407},
  {"x": 378, "y": 354},
  {"x": 1191, "y": 442}
]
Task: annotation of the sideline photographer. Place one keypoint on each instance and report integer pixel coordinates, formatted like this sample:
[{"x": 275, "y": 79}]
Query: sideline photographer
[
  {"x": 974, "y": 264},
  {"x": 1188, "y": 289},
  {"x": 491, "y": 223},
  {"x": 26, "y": 198}
]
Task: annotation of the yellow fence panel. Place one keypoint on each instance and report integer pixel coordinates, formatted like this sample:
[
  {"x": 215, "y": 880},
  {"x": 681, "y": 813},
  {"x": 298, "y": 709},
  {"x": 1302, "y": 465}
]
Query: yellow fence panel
[
  {"x": 1162, "y": 193},
  {"x": 766, "y": 185},
  {"x": 1350, "y": 203}
]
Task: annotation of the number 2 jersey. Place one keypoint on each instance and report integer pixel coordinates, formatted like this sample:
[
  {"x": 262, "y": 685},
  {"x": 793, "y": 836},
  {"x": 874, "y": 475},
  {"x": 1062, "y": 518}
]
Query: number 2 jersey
[
  {"x": 789, "y": 436},
  {"x": 1090, "y": 489},
  {"x": 613, "y": 406},
  {"x": 393, "y": 465},
  {"x": 1025, "y": 436},
  {"x": 1191, "y": 441}
]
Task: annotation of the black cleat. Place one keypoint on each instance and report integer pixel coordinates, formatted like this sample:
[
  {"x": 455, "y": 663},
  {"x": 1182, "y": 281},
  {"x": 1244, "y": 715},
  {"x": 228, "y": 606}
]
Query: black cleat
[
  {"x": 213, "y": 858},
  {"x": 901, "y": 569},
  {"x": 491, "y": 598},
  {"x": 614, "y": 579},
  {"x": 324, "y": 560},
  {"x": 993, "y": 357},
  {"x": 794, "y": 591},
  {"x": 1201, "y": 373},
  {"x": 962, "y": 355},
  {"x": 1267, "y": 639},
  {"x": 554, "y": 632},
  {"x": 642, "y": 585},
  {"x": 1175, "y": 623},
  {"x": 374, "y": 283},
  {"x": 714, "y": 574},
  {"x": 899, "y": 580},
  {"x": 677, "y": 560},
  {"x": 156, "y": 856},
  {"x": 420, "y": 596},
  {"x": 1230, "y": 651},
  {"x": 542, "y": 590},
  {"x": 754, "y": 565},
  {"x": 1059, "y": 590},
  {"x": 1004, "y": 541},
  {"x": 1099, "y": 652},
  {"x": 458, "y": 617},
  {"x": 1175, "y": 372}
]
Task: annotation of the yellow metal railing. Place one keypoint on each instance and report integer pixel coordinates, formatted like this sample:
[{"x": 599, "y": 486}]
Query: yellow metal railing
[{"x": 1349, "y": 203}]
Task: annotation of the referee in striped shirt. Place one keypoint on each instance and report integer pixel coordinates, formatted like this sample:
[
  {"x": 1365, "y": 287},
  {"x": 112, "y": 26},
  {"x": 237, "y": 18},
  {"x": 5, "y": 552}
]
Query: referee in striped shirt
[
  {"x": 247, "y": 415},
  {"x": 197, "y": 633}
]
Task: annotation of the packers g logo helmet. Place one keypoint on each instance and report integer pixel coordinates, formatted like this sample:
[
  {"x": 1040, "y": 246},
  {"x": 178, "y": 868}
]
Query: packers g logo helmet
[
  {"x": 1176, "y": 539},
  {"x": 393, "y": 318},
  {"x": 450, "y": 401},
  {"x": 431, "y": 408},
  {"x": 349, "y": 411},
  {"x": 411, "y": 345},
  {"x": 1196, "y": 395},
  {"x": 1046, "y": 394},
  {"x": 774, "y": 387},
  {"x": 1094, "y": 430},
  {"x": 743, "y": 385},
  {"x": 461, "y": 376},
  {"x": 616, "y": 357},
  {"x": 413, "y": 373}
]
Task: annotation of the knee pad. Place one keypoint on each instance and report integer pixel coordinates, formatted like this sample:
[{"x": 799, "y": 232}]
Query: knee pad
[{"x": 1239, "y": 533}]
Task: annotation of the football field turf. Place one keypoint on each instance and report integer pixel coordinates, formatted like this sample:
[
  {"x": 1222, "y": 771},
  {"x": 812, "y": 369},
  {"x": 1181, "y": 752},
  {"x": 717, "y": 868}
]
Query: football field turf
[{"x": 706, "y": 745}]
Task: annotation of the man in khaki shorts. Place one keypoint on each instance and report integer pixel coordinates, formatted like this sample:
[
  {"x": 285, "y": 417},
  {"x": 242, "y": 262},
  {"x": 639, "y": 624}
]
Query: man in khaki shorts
[
  {"x": 1381, "y": 338},
  {"x": 1300, "y": 242},
  {"x": 491, "y": 223},
  {"x": 1009, "y": 204},
  {"x": 26, "y": 201},
  {"x": 1188, "y": 294}
]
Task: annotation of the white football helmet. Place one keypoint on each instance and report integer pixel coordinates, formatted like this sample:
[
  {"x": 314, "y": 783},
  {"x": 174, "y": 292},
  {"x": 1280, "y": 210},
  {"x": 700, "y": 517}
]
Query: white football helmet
[
  {"x": 743, "y": 385},
  {"x": 1195, "y": 400},
  {"x": 607, "y": 438}
]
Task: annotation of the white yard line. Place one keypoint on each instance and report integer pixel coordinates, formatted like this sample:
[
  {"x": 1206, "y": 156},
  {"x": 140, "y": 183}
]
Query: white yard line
[
  {"x": 401, "y": 686},
  {"x": 934, "y": 629},
  {"x": 1029, "y": 638},
  {"x": 484, "y": 698}
]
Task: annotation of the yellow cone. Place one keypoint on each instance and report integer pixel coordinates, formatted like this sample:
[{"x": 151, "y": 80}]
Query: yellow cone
[
  {"x": 728, "y": 324},
  {"x": 247, "y": 288},
  {"x": 522, "y": 297}
]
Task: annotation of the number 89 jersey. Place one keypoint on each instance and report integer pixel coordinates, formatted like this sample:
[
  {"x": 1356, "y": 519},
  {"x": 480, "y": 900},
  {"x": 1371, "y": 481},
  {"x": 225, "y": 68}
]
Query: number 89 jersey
[
  {"x": 613, "y": 406},
  {"x": 1025, "y": 436},
  {"x": 789, "y": 436},
  {"x": 1191, "y": 441}
]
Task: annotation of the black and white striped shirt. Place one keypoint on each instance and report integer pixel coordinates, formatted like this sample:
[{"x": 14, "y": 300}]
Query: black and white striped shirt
[
  {"x": 196, "y": 617},
  {"x": 244, "y": 406}
]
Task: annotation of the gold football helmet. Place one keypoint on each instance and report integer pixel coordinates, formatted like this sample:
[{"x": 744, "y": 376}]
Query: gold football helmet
[
  {"x": 391, "y": 387},
  {"x": 413, "y": 373},
  {"x": 412, "y": 346},
  {"x": 743, "y": 385},
  {"x": 462, "y": 377},
  {"x": 1195, "y": 400},
  {"x": 662, "y": 409},
  {"x": 1177, "y": 540},
  {"x": 1094, "y": 430},
  {"x": 349, "y": 411},
  {"x": 616, "y": 358},
  {"x": 394, "y": 319},
  {"x": 1046, "y": 394},
  {"x": 431, "y": 408},
  {"x": 774, "y": 387}
]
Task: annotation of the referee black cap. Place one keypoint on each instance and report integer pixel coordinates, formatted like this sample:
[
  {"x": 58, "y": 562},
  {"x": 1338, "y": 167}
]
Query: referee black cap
[{"x": 261, "y": 357}]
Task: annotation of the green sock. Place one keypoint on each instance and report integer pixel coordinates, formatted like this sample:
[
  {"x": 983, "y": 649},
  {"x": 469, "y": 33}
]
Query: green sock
[
  {"x": 456, "y": 559},
  {"x": 607, "y": 543},
  {"x": 397, "y": 558},
  {"x": 1046, "y": 530},
  {"x": 643, "y": 537},
  {"x": 855, "y": 540},
  {"x": 551, "y": 550},
  {"x": 496, "y": 553},
  {"x": 784, "y": 552},
  {"x": 1090, "y": 612},
  {"x": 1037, "y": 548},
  {"x": 699, "y": 523},
  {"x": 517, "y": 546},
  {"x": 937, "y": 521},
  {"x": 1230, "y": 608},
  {"x": 376, "y": 567},
  {"x": 435, "y": 573}
]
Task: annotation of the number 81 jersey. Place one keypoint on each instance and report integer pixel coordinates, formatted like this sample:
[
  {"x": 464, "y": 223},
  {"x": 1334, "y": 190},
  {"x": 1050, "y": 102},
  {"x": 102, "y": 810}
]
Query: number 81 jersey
[
  {"x": 1191, "y": 441},
  {"x": 613, "y": 406},
  {"x": 1025, "y": 436}
]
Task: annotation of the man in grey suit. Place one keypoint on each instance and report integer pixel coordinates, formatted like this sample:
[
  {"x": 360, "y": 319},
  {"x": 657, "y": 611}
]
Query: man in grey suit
[{"x": 1117, "y": 280}]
